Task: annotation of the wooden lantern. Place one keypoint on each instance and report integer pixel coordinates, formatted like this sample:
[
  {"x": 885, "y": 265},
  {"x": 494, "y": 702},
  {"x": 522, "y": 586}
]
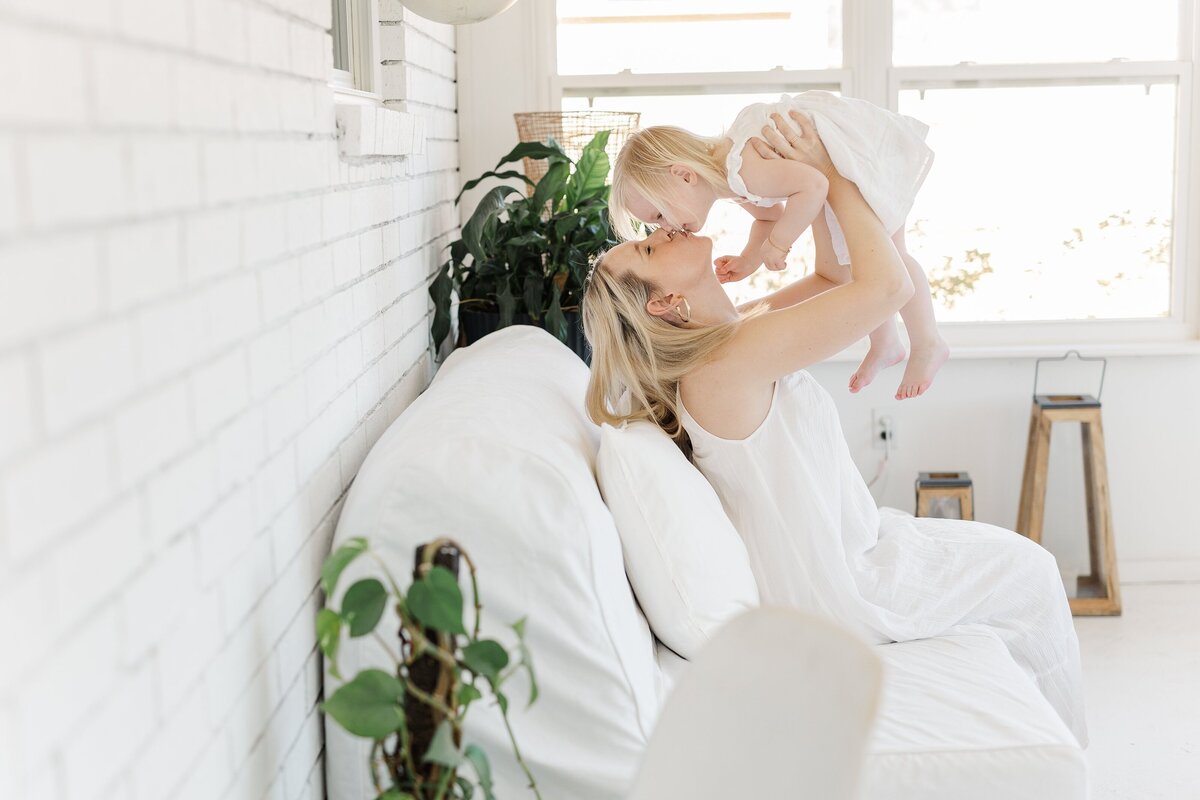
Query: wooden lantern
[
  {"x": 948, "y": 495},
  {"x": 1098, "y": 592}
]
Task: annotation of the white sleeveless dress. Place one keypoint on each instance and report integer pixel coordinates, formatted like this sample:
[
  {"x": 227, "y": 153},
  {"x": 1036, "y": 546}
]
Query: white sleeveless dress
[
  {"x": 817, "y": 541},
  {"x": 884, "y": 153}
]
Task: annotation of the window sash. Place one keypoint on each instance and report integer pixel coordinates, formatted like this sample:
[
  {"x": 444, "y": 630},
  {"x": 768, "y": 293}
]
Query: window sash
[
  {"x": 867, "y": 73},
  {"x": 354, "y": 45}
]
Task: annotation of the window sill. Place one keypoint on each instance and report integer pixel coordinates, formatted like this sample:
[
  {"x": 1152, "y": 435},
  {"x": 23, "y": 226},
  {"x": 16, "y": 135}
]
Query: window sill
[
  {"x": 1098, "y": 349},
  {"x": 367, "y": 128}
]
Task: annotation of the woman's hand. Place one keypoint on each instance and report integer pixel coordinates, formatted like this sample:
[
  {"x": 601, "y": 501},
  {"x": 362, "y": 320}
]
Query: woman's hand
[{"x": 796, "y": 140}]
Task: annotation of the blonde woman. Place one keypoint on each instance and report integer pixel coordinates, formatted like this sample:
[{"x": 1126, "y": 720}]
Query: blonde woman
[{"x": 729, "y": 385}]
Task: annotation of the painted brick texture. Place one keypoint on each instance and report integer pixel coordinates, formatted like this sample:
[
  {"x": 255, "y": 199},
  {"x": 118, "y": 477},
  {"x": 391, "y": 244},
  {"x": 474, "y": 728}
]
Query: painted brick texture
[{"x": 208, "y": 314}]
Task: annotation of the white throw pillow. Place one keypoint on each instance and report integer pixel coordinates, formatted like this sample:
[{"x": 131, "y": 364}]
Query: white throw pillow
[{"x": 688, "y": 566}]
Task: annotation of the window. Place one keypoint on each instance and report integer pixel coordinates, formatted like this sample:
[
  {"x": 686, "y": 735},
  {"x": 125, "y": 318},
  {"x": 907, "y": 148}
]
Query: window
[
  {"x": 353, "y": 45},
  {"x": 1056, "y": 207}
]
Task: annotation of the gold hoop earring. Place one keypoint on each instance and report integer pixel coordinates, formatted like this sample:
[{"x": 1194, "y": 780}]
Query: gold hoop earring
[{"x": 683, "y": 301}]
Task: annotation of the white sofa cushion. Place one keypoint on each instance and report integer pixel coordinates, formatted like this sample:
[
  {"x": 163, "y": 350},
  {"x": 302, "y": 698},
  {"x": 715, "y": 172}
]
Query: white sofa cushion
[
  {"x": 498, "y": 454},
  {"x": 688, "y": 566},
  {"x": 960, "y": 719}
]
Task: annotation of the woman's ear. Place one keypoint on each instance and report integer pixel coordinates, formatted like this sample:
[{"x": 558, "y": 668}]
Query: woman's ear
[
  {"x": 659, "y": 306},
  {"x": 685, "y": 173}
]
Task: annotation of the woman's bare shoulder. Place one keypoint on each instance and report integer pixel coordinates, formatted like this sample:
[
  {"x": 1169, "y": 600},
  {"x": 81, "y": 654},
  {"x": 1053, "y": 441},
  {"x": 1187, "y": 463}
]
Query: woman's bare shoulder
[{"x": 726, "y": 401}]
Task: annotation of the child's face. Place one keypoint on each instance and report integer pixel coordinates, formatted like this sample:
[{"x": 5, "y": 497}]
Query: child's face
[{"x": 692, "y": 201}]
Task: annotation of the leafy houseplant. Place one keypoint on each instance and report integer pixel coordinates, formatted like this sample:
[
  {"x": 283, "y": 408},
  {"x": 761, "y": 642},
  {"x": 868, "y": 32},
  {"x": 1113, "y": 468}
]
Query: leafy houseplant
[
  {"x": 415, "y": 714},
  {"x": 525, "y": 258}
]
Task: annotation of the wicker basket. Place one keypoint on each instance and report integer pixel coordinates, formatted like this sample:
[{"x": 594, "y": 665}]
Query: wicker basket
[{"x": 573, "y": 130}]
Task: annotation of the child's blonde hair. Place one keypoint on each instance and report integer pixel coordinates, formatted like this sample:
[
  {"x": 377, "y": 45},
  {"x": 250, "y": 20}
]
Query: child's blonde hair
[{"x": 644, "y": 165}]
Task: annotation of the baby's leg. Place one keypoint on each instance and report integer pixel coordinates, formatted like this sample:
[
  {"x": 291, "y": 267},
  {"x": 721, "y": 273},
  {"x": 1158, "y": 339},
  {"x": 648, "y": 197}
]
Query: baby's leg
[
  {"x": 928, "y": 351},
  {"x": 886, "y": 348}
]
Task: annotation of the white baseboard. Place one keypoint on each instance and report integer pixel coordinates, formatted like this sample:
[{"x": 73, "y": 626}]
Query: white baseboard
[{"x": 1156, "y": 570}]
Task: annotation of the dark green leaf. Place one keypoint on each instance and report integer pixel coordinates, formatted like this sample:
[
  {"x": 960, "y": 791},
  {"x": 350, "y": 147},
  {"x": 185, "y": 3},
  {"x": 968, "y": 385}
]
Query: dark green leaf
[
  {"x": 395, "y": 794},
  {"x": 555, "y": 322},
  {"x": 483, "y": 770},
  {"x": 503, "y": 701},
  {"x": 485, "y": 658},
  {"x": 590, "y": 172},
  {"x": 468, "y": 694},
  {"x": 526, "y": 659},
  {"x": 329, "y": 634},
  {"x": 437, "y": 602},
  {"x": 368, "y": 706},
  {"x": 534, "y": 150},
  {"x": 469, "y": 185},
  {"x": 331, "y": 570},
  {"x": 534, "y": 284},
  {"x": 440, "y": 291},
  {"x": 441, "y": 749},
  {"x": 363, "y": 606},
  {"x": 551, "y": 187},
  {"x": 491, "y": 205},
  {"x": 507, "y": 304},
  {"x": 466, "y": 787}
]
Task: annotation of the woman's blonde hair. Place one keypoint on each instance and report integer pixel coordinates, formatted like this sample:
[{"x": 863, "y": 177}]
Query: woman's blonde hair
[
  {"x": 638, "y": 358},
  {"x": 644, "y": 165}
]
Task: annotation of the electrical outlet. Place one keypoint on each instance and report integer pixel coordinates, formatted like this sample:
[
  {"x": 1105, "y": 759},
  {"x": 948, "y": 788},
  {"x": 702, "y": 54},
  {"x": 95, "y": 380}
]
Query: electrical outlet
[{"x": 883, "y": 430}]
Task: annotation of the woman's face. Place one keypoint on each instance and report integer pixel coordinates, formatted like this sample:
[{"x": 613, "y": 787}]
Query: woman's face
[{"x": 675, "y": 261}]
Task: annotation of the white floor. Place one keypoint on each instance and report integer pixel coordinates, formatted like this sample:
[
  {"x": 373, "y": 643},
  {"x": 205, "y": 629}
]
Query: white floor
[{"x": 1142, "y": 683}]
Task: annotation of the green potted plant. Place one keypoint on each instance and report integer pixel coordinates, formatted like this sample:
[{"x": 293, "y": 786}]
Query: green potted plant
[
  {"x": 415, "y": 712},
  {"x": 523, "y": 258}
]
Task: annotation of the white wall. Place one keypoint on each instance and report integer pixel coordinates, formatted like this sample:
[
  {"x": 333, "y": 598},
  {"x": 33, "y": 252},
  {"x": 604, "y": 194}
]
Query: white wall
[
  {"x": 976, "y": 417},
  {"x": 207, "y": 315}
]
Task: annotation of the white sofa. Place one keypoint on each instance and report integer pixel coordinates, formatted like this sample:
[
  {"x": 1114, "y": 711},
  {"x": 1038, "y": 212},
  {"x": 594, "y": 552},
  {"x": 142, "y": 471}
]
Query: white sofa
[{"x": 498, "y": 454}]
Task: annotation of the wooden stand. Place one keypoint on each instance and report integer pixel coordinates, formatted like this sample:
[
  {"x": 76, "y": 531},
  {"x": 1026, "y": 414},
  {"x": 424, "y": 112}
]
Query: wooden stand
[
  {"x": 1098, "y": 592},
  {"x": 935, "y": 487}
]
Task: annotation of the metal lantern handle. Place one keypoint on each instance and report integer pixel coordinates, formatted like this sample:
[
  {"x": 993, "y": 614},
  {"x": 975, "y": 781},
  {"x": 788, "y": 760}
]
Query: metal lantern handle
[{"x": 1038, "y": 365}]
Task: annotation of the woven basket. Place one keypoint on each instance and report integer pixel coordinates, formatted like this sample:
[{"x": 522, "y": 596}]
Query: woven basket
[{"x": 573, "y": 130}]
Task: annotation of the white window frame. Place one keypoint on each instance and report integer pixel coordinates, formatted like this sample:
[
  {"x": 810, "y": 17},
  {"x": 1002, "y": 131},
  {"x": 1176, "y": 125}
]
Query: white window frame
[
  {"x": 868, "y": 74},
  {"x": 363, "y": 81}
]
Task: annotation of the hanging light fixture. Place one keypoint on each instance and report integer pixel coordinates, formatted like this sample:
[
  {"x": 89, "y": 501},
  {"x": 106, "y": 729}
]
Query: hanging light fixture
[{"x": 458, "y": 12}]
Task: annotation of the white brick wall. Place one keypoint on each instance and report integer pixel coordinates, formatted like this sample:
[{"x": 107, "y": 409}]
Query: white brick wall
[{"x": 207, "y": 316}]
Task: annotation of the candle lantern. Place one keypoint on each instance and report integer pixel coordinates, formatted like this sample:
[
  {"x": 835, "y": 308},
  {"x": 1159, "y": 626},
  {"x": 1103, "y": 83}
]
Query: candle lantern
[
  {"x": 1098, "y": 592},
  {"x": 948, "y": 495}
]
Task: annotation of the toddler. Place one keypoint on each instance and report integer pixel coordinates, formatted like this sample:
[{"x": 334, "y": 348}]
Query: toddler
[{"x": 666, "y": 176}]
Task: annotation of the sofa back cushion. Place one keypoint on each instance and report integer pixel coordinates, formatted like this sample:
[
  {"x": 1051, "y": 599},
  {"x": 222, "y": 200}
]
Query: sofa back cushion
[{"x": 498, "y": 455}]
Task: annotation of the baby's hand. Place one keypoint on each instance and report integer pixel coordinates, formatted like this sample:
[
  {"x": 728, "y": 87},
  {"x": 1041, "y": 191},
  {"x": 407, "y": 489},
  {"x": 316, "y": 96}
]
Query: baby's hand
[
  {"x": 733, "y": 268},
  {"x": 773, "y": 257}
]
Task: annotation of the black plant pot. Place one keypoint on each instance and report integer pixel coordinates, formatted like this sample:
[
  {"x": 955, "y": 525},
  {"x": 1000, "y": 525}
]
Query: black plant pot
[{"x": 474, "y": 325}]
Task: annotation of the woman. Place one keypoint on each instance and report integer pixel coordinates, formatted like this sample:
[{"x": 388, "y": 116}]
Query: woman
[{"x": 728, "y": 384}]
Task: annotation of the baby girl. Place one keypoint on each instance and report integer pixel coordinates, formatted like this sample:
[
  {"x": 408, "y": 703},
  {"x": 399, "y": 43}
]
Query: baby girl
[{"x": 669, "y": 177}]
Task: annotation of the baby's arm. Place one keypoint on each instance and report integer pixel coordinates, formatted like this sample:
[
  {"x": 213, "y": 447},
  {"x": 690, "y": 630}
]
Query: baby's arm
[
  {"x": 734, "y": 268},
  {"x": 804, "y": 187}
]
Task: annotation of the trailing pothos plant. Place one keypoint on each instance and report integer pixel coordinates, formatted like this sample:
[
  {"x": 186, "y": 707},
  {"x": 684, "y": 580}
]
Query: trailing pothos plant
[
  {"x": 529, "y": 253},
  {"x": 415, "y": 712}
]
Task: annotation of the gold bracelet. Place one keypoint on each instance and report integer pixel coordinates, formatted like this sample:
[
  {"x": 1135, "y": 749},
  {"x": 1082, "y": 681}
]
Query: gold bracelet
[{"x": 784, "y": 250}]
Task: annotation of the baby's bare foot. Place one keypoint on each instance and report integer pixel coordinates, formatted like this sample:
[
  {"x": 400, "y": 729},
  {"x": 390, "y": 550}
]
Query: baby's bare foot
[
  {"x": 923, "y": 363},
  {"x": 877, "y": 358}
]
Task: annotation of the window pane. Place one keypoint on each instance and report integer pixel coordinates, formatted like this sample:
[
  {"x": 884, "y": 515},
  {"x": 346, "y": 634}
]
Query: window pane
[
  {"x": 728, "y": 224},
  {"x": 341, "y": 54},
  {"x": 1029, "y": 31},
  {"x": 1046, "y": 203},
  {"x": 607, "y": 36}
]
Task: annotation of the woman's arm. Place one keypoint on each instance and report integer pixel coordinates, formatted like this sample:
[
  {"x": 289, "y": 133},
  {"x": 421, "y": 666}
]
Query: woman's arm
[{"x": 791, "y": 338}]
